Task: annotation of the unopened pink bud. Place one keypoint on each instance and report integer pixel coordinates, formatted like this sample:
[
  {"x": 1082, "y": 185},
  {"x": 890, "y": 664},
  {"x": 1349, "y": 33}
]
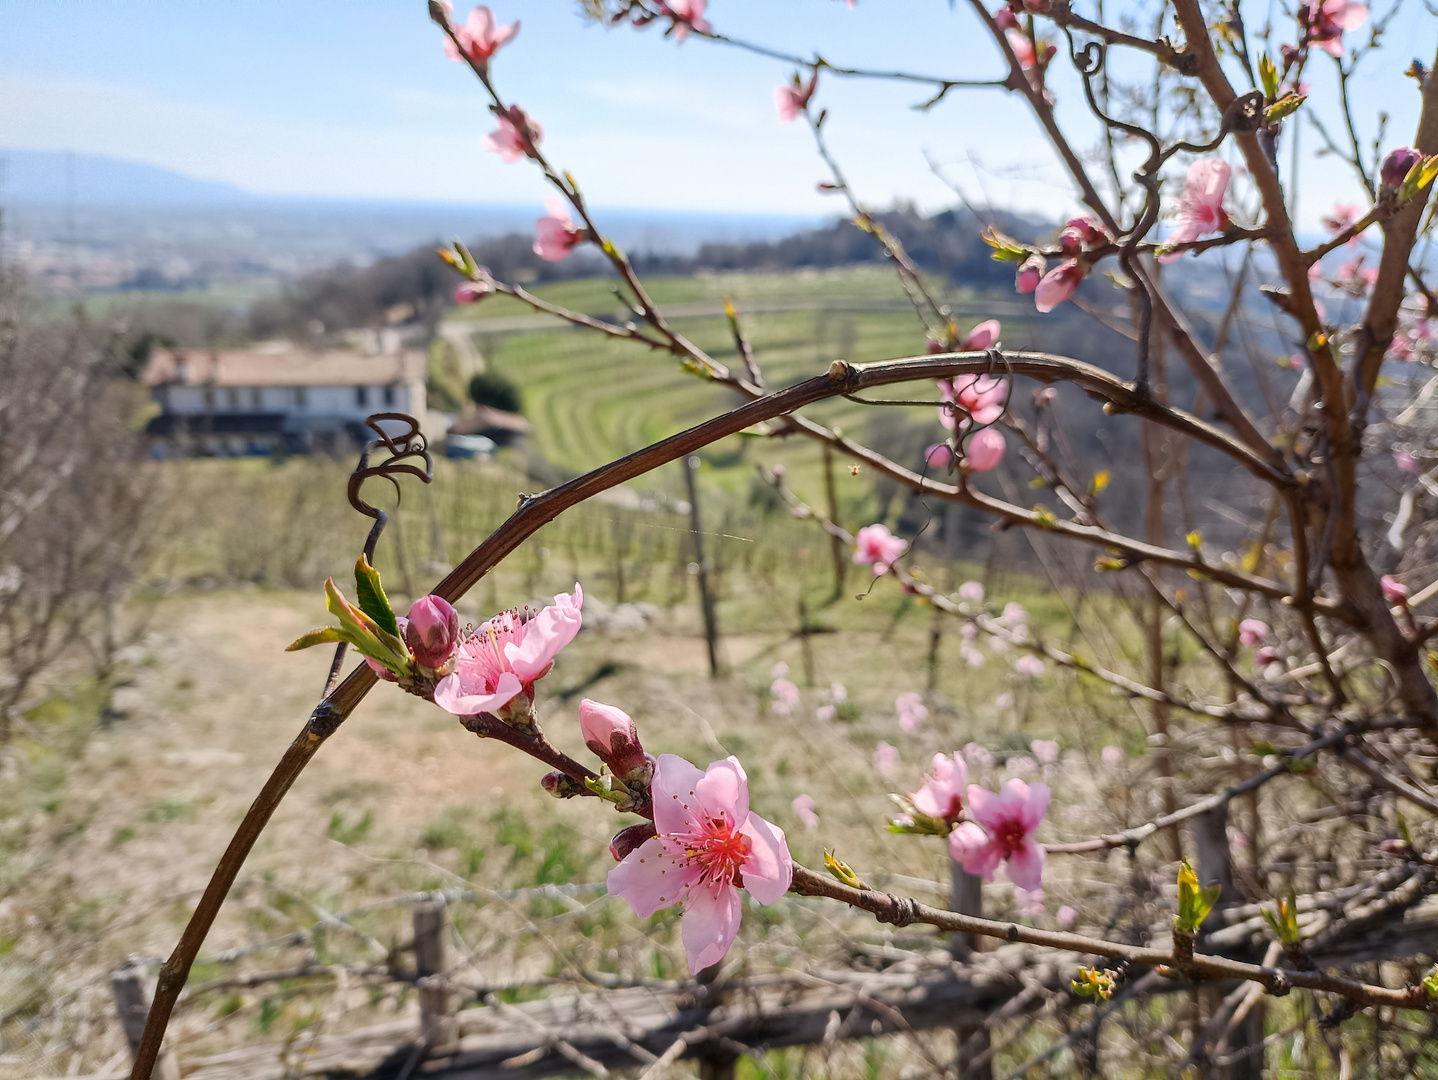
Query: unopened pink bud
[
  {"x": 938, "y": 456},
  {"x": 984, "y": 451},
  {"x": 627, "y": 840},
  {"x": 1265, "y": 656},
  {"x": 1030, "y": 273},
  {"x": 560, "y": 785},
  {"x": 1397, "y": 165},
  {"x": 611, "y": 735},
  {"x": 1394, "y": 591},
  {"x": 432, "y": 631},
  {"x": 1006, "y": 19}
]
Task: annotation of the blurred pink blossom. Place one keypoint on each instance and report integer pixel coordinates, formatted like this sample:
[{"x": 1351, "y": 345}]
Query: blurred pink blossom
[
  {"x": 1058, "y": 285},
  {"x": 938, "y": 456},
  {"x": 1112, "y": 755},
  {"x": 911, "y": 709},
  {"x": 1405, "y": 461},
  {"x": 1067, "y": 917},
  {"x": 1002, "y": 831},
  {"x": 687, "y": 15},
  {"x": 838, "y": 693},
  {"x": 557, "y": 235},
  {"x": 471, "y": 292},
  {"x": 1030, "y": 902},
  {"x": 509, "y": 140},
  {"x": 1004, "y": 701},
  {"x": 978, "y": 756},
  {"x": 791, "y": 99},
  {"x": 971, "y": 592},
  {"x": 1029, "y": 666},
  {"x": 1326, "y": 21},
  {"x": 886, "y": 759},
  {"x": 825, "y": 713},
  {"x": 875, "y": 545},
  {"x": 1394, "y": 591},
  {"x": 1200, "y": 207},
  {"x": 1253, "y": 631},
  {"x": 942, "y": 794},
  {"x": 984, "y": 451},
  {"x": 971, "y": 656},
  {"x": 804, "y": 811},
  {"x": 1046, "y": 750},
  {"x": 480, "y": 37}
]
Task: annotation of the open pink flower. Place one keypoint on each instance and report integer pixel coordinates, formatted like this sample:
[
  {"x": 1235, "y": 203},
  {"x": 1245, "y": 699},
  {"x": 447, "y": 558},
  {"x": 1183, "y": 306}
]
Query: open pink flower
[
  {"x": 557, "y": 235},
  {"x": 1058, "y": 285},
  {"x": 687, "y": 15},
  {"x": 942, "y": 795},
  {"x": 471, "y": 292},
  {"x": 1200, "y": 207},
  {"x": 793, "y": 98},
  {"x": 708, "y": 845},
  {"x": 1253, "y": 631},
  {"x": 507, "y": 655},
  {"x": 480, "y": 36},
  {"x": 516, "y": 135},
  {"x": 984, "y": 451},
  {"x": 1029, "y": 666},
  {"x": 1002, "y": 831},
  {"x": 971, "y": 592},
  {"x": 1325, "y": 21},
  {"x": 804, "y": 811},
  {"x": 875, "y": 545},
  {"x": 982, "y": 396}
]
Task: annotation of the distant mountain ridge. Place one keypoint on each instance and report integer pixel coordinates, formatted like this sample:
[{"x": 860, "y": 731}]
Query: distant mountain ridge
[{"x": 58, "y": 178}]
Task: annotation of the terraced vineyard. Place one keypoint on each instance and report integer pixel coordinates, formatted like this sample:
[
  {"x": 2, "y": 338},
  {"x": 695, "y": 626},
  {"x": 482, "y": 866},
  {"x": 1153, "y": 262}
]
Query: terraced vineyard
[{"x": 626, "y": 397}]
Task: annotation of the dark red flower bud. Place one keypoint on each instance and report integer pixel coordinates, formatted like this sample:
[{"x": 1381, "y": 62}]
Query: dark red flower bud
[{"x": 627, "y": 840}]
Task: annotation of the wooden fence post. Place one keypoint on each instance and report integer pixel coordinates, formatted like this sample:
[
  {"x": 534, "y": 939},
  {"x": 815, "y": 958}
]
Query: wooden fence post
[
  {"x": 1210, "y": 839},
  {"x": 838, "y": 550},
  {"x": 706, "y": 598},
  {"x": 439, "y": 1030},
  {"x": 966, "y": 896},
  {"x": 133, "y": 1005}
]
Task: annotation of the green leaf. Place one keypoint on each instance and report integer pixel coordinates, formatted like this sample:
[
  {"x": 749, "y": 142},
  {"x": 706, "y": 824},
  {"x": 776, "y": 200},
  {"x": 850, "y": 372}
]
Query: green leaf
[
  {"x": 840, "y": 869},
  {"x": 1005, "y": 248},
  {"x": 370, "y": 595},
  {"x": 1268, "y": 73},
  {"x": 1285, "y": 920},
  {"x": 365, "y": 634},
  {"x": 1194, "y": 901},
  {"x": 325, "y": 635},
  {"x": 1419, "y": 177},
  {"x": 1100, "y": 481},
  {"x": 1093, "y": 983},
  {"x": 1287, "y": 105}
]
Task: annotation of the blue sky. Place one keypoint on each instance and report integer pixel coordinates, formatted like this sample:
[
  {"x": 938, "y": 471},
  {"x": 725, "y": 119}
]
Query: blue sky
[{"x": 356, "y": 98}]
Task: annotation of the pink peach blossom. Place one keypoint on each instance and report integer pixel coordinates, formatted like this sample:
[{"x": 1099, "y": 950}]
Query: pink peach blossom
[
  {"x": 791, "y": 99},
  {"x": 804, "y": 810},
  {"x": 687, "y": 15},
  {"x": 1394, "y": 591},
  {"x": 978, "y": 756},
  {"x": 1029, "y": 665},
  {"x": 1014, "y": 614},
  {"x": 471, "y": 292},
  {"x": 981, "y": 336},
  {"x": 938, "y": 456},
  {"x": 1005, "y": 19},
  {"x": 1029, "y": 273},
  {"x": 838, "y": 693},
  {"x": 1200, "y": 207},
  {"x": 1067, "y": 917},
  {"x": 875, "y": 545},
  {"x": 1397, "y": 165},
  {"x": 886, "y": 759},
  {"x": 431, "y": 631},
  {"x": 1046, "y": 750},
  {"x": 1030, "y": 902},
  {"x": 507, "y": 655},
  {"x": 972, "y": 592},
  {"x": 911, "y": 709},
  {"x": 514, "y": 137},
  {"x": 1002, "y": 831},
  {"x": 1405, "y": 461},
  {"x": 984, "y": 451},
  {"x": 1112, "y": 755},
  {"x": 1265, "y": 655},
  {"x": 942, "y": 794},
  {"x": 784, "y": 692},
  {"x": 1004, "y": 701},
  {"x": 1343, "y": 215},
  {"x": 826, "y": 713},
  {"x": 708, "y": 843},
  {"x": 1253, "y": 631},
  {"x": 611, "y": 735},
  {"x": 480, "y": 37},
  {"x": 1326, "y": 21},
  {"x": 557, "y": 235},
  {"x": 971, "y": 656},
  {"x": 1058, "y": 285}
]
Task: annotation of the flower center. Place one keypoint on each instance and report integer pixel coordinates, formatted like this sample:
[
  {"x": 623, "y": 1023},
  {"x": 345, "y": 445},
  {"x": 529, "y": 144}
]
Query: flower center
[
  {"x": 1010, "y": 836},
  {"x": 717, "y": 849}
]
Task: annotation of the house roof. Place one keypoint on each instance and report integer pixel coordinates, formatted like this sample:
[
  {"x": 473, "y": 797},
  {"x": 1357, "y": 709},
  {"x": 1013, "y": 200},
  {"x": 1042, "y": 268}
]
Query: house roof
[
  {"x": 281, "y": 364},
  {"x": 485, "y": 419}
]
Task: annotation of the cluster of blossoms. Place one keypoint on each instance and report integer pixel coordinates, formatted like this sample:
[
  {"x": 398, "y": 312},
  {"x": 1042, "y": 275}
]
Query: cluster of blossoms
[
  {"x": 1000, "y": 825},
  {"x": 877, "y": 547}
]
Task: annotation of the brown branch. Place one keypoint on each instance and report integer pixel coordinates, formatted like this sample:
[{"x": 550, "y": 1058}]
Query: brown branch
[{"x": 904, "y": 911}]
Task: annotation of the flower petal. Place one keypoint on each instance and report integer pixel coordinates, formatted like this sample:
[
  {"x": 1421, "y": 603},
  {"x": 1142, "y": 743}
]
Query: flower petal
[
  {"x": 649, "y": 878},
  {"x": 1025, "y": 866},
  {"x": 723, "y": 791},
  {"x": 974, "y": 850},
  {"x": 465, "y": 694},
  {"x": 710, "y": 924},
  {"x": 672, "y": 790},
  {"x": 545, "y": 634},
  {"x": 769, "y": 869},
  {"x": 1035, "y": 806}
]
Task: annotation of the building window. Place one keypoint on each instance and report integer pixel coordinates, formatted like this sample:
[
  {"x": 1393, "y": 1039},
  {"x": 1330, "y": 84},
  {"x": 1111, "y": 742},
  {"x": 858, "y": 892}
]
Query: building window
[
  {"x": 209, "y": 396},
  {"x": 300, "y": 397},
  {"x": 362, "y": 396},
  {"x": 389, "y": 395},
  {"x": 257, "y": 398},
  {"x": 233, "y": 398}
]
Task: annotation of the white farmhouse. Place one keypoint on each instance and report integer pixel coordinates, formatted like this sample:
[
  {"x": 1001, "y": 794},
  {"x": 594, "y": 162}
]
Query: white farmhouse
[{"x": 276, "y": 397}]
